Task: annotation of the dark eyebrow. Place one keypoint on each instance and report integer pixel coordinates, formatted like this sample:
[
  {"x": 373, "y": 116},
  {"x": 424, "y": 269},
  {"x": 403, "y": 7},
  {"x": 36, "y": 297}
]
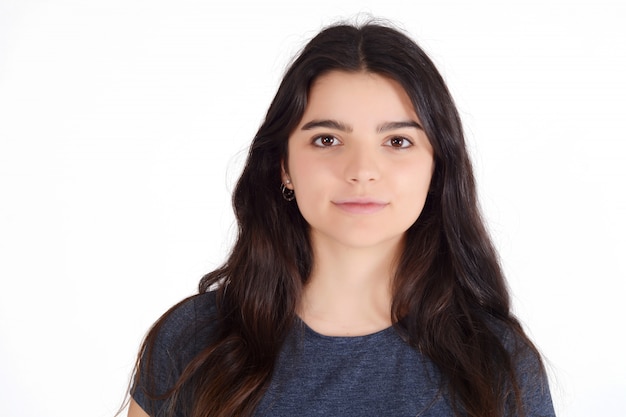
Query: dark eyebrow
[
  {"x": 398, "y": 125},
  {"x": 329, "y": 124},
  {"x": 334, "y": 124}
]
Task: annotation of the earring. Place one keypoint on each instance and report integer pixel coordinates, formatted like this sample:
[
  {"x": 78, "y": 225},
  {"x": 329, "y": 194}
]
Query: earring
[{"x": 288, "y": 194}]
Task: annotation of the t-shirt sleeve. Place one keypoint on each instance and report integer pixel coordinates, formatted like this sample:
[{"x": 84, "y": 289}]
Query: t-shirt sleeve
[
  {"x": 532, "y": 379},
  {"x": 181, "y": 335}
]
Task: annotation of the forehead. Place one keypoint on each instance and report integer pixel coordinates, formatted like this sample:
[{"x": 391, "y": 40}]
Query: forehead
[{"x": 350, "y": 94}]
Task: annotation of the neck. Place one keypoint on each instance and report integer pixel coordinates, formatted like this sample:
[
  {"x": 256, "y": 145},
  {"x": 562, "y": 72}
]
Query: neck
[{"x": 349, "y": 290}]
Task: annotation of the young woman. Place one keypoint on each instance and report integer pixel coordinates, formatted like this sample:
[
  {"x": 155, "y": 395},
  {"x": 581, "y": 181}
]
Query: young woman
[{"x": 363, "y": 281}]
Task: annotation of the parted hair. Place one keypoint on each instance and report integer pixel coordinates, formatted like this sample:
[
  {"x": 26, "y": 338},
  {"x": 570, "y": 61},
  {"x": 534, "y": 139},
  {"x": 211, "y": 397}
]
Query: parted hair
[{"x": 450, "y": 299}]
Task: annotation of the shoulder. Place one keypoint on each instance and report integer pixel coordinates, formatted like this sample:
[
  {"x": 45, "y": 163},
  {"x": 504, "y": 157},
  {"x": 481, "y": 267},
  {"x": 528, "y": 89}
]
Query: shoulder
[
  {"x": 174, "y": 340},
  {"x": 192, "y": 312},
  {"x": 186, "y": 326},
  {"x": 529, "y": 371}
]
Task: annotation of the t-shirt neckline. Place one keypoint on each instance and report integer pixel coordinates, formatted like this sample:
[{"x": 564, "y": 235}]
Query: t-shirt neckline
[{"x": 374, "y": 335}]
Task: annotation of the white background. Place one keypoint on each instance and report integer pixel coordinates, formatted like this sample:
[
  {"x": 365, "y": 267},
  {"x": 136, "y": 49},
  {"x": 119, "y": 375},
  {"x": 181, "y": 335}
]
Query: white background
[{"x": 124, "y": 124}]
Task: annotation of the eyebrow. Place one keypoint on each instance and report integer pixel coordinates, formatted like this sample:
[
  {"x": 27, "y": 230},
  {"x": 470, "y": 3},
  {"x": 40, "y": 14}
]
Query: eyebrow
[
  {"x": 330, "y": 124},
  {"x": 385, "y": 127},
  {"x": 399, "y": 125}
]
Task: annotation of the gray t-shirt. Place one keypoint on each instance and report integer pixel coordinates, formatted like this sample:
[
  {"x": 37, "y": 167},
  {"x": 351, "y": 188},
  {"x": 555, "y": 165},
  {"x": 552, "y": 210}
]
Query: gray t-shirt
[{"x": 316, "y": 375}]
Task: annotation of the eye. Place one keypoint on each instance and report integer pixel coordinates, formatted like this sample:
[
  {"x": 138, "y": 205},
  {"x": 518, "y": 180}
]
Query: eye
[
  {"x": 399, "y": 142},
  {"x": 326, "y": 141}
]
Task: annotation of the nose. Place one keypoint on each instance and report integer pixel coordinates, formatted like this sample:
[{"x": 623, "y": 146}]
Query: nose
[{"x": 362, "y": 165}]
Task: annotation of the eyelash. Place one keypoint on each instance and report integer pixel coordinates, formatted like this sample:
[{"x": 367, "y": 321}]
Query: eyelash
[
  {"x": 317, "y": 141},
  {"x": 407, "y": 143}
]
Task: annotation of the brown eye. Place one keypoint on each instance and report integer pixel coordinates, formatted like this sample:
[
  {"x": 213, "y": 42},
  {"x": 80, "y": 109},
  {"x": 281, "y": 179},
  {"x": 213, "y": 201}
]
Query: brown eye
[
  {"x": 399, "y": 142},
  {"x": 326, "y": 141}
]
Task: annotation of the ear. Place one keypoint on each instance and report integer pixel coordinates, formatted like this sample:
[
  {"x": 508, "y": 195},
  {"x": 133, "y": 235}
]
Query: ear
[{"x": 284, "y": 176}]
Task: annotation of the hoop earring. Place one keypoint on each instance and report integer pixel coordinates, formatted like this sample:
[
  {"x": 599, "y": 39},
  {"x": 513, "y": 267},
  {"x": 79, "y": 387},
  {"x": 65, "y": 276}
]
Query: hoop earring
[{"x": 288, "y": 195}]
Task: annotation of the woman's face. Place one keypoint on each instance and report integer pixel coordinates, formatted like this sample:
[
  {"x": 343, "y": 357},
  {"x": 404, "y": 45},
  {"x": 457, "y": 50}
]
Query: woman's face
[{"x": 359, "y": 161}]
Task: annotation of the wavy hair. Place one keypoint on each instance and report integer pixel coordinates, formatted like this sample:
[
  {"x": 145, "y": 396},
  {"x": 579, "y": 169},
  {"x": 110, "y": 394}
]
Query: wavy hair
[{"x": 449, "y": 293}]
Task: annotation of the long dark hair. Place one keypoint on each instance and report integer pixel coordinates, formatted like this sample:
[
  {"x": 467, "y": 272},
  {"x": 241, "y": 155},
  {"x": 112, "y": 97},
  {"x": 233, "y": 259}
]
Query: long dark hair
[{"x": 450, "y": 299}]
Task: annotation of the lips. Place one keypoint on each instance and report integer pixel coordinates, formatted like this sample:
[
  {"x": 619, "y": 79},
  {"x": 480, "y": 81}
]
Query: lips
[{"x": 360, "y": 205}]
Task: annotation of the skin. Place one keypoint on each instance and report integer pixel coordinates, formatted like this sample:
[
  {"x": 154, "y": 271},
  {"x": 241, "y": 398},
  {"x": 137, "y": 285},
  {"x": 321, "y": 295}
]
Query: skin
[
  {"x": 134, "y": 410},
  {"x": 360, "y": 165}
]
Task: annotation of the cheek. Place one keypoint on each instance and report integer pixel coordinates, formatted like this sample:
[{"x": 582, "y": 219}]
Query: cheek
[
  {"x": 416, "y": 187},
  {"x": 307, "y": 172}
]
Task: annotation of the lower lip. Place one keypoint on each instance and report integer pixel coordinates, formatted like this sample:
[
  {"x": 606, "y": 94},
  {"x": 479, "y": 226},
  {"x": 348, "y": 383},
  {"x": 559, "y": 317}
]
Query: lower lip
[{"x": 361, "y": 208}]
